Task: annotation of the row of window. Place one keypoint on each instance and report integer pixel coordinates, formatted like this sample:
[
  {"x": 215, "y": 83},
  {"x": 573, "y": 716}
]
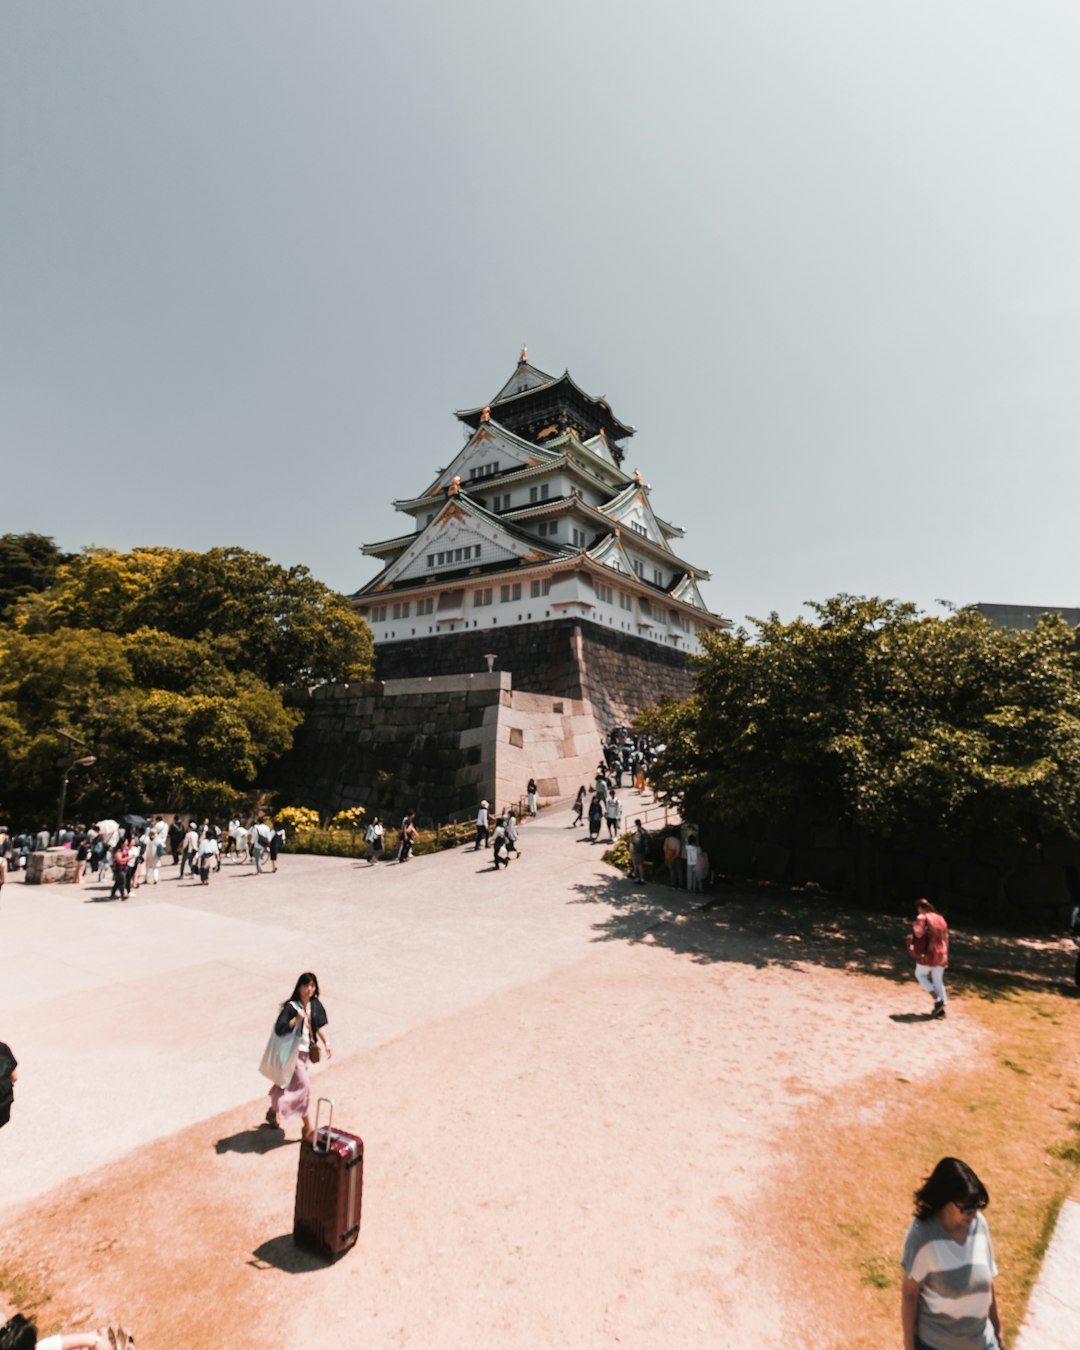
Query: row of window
[
  {"x": 484, "y": 470},
  {"x": 511, "y": 592},
  {"x": 453, "y": 555}
]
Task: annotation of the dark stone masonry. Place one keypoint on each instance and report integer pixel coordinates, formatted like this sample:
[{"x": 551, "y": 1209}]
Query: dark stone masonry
[
  {"x": 570, "y": 658},
  {"x": 432, "y": 750}
]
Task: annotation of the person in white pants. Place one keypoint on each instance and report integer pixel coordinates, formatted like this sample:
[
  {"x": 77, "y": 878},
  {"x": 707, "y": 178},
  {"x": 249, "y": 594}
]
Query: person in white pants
[{"x": 929, "y": 945}]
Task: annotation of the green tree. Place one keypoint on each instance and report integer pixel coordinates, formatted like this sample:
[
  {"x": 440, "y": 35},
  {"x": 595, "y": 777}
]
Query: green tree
[
  {"x": 171, "y": 667},
  {"x": 877, "y": 717},
  {"x": 28, "y": 563}
]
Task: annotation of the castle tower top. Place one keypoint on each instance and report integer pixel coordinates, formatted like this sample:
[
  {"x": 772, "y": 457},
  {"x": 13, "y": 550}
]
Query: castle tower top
[{"x": 539, "y": 407}]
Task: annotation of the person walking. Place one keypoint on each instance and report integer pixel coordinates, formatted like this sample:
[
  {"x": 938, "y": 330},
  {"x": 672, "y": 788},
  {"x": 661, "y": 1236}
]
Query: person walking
[
  {"x": 530, "y": 792},
  {"x": 408, "y": 837},
  {"x": 302, "y": 1013},
  {"x": 947, "y": 1296},
  {"x": 121, "y": 860},
  {"x": 928, "y": 943},
  {"x": 190, "y": 850},
  {"x": 511, "y": 834},
  {"x": 176, "y": 839},
  {"x": 260, "y": 838},
  {"x": 209, "y": 856},
  {"x": 613, "y": 815},
  {"x": 596, "y": 815},
  {"x": 159, "y": 836},
  {"x": 277, "y": 843},
  {"x": 639, "y": 848},
  {"x": 498, "y": 843},
  {"x": 579, "y": 805},
  {"x": 482, "y": 827},
  {"x": 373, "y": 837}
]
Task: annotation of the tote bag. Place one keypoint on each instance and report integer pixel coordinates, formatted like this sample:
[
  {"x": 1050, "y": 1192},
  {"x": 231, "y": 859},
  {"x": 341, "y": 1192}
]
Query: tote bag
[{"x": 279, "y": 1057}]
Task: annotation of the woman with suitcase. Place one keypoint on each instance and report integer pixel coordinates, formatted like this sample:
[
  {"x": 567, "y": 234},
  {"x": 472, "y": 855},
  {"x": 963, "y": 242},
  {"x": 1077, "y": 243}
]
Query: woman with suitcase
[{"x": 301, "y": 1015}]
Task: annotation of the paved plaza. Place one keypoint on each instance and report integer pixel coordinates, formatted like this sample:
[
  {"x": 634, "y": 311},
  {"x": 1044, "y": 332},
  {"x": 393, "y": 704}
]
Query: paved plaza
[{"x": 569, "y": 1095}]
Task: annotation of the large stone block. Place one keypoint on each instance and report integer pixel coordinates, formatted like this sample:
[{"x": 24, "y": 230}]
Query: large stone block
[{"x": 51, "y": 866}]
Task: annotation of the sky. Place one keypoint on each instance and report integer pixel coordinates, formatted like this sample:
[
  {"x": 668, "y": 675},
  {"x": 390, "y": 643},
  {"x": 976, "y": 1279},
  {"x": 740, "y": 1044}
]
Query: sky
[{"x": 824, "y": 257}]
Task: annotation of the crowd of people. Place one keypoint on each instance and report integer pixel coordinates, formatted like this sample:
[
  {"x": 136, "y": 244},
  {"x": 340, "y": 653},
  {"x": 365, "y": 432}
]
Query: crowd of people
[{"x": 132, "y": 852}]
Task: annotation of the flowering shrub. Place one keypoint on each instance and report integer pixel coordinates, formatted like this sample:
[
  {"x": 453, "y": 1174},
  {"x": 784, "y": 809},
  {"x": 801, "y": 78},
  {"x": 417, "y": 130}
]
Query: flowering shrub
[
  {"x": 296, "y": 818},
  {"x": 352, "y": 819}
]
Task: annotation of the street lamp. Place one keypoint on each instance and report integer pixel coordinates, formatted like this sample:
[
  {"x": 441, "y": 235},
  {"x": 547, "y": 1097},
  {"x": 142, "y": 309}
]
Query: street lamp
[{"x": 84, "y": 763}]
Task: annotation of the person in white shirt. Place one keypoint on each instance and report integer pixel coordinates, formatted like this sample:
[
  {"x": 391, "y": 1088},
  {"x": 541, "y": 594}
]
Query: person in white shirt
[
  {"x": 209, "y": 854},
  {"x": 159, "y": 837},
  {"x": 613, "y": 812}
]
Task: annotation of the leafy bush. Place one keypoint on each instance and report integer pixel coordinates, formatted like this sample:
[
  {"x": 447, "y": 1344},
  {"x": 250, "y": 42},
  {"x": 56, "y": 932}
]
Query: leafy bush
[
  {"x": 297, "y": 819},
  {"x": 350, "y": 819}
]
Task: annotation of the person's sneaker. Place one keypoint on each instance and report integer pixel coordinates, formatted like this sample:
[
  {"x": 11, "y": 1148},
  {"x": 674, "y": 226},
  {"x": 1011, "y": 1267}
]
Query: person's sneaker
[{"x": 939, "y": 1010}]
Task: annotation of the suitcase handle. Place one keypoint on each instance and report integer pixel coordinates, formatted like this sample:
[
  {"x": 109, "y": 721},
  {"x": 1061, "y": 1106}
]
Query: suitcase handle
[{"x": 329, "y": 1121}]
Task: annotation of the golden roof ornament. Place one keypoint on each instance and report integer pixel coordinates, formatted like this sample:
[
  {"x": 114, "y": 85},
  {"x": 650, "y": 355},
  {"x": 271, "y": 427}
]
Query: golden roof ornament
[
  {"x": 524, "y": 356},
  {"x": 638, "y": 478},
  {"x": 455, "y": 486},
  {"x": 485, "y": 416}
]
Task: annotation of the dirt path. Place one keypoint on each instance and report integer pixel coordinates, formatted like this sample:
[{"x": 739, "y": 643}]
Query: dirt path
[{"x": 575, "y": 1161}]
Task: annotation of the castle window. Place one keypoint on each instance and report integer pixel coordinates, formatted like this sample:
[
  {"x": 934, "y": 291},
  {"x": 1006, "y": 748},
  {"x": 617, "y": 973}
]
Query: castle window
[
  {"x": 426, "y": 606},
  {"x": 658, "y": 576},
  {"x": 502, "y": 503},
  {"x": 377, "y": 614},
  {"x": 482, "y": 597},
  {"x": 548, "y": 527},
  {"x": 625, "y": 600},
  {"x": 638, "y": 528},
  {"x": 603, "y": 592},
  {"x": 401, "y": 609},
  {"x": 483, "y": 470},
  {"x": 637, "y": 566},
  {"x": 578, "y": 537},
  {"x": 538, "y": 588},
  {"x": 508, "y": 593},
  {"x": 539, "y": 494}
]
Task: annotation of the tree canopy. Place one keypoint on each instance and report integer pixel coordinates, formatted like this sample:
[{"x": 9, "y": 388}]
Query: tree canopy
[
  {"x": 884, "y": 719},
  {"x": 170, "y": 668}
]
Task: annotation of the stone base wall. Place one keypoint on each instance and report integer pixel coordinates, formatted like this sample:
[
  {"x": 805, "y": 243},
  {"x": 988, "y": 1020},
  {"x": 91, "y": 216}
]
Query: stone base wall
[
  {"x": 616, "y": 672},
  {"x": 51, "y": 865},
  {"x": 434, "y": 744}
]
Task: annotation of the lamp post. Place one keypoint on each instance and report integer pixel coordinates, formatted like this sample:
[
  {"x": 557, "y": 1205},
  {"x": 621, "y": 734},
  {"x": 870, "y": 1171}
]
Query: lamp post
[{"x": 84, "y": 763}]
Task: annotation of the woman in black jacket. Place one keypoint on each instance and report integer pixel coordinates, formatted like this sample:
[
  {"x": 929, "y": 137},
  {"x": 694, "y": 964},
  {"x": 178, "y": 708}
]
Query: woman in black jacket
[{"x": 301, "y": 1015}]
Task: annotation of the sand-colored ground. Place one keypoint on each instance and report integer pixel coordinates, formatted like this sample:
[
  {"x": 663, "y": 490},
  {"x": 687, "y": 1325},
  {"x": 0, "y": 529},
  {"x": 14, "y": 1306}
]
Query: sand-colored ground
[{"x": 571, "y": 1089}]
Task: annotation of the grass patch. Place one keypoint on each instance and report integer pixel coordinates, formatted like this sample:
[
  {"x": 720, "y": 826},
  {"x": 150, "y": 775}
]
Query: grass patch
[{"x": 1012, "y": 1110}]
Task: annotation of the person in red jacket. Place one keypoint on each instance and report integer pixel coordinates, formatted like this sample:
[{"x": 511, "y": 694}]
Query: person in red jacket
[{"x": 929, "y": 945}]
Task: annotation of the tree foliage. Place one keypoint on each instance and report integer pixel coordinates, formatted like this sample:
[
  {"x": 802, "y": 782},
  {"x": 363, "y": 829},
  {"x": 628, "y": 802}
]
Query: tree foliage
[
  {"x": 28, "y": 563},
  {"x": 169, "y": 667},
  {"x": 881, "y": 718}
]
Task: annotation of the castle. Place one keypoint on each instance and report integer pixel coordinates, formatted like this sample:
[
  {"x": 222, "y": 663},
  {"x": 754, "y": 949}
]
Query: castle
[
  {"x": 536, "y": 602},
  {"x": 534, "y": 519}
]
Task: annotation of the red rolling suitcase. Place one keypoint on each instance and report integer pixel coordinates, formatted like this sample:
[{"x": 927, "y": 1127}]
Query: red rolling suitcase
[{"x": 329, "y": 1188}]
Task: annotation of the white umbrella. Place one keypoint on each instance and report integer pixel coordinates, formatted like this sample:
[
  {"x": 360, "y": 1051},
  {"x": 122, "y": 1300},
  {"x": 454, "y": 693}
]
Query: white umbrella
[{"x": 109, "y": 831}]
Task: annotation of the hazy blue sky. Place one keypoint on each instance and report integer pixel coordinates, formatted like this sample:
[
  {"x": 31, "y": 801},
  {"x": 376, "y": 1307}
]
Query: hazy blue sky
[{"x": 824, "y": 257}]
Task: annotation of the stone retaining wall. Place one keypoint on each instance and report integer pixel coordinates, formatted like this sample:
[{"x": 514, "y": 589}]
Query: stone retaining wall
[
  {"x": 435, "y": 744},
  {"x": 617, "y": 672}
]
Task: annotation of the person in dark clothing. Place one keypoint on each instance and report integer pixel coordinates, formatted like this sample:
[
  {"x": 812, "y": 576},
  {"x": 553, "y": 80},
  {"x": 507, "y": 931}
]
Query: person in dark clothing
[{"x": 9, "y": 1066}]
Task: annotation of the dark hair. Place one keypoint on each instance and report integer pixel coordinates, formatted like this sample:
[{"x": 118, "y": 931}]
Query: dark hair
[
  {"x": 308, "y": 977},
  {"x": 951, "y": 1180},
  {"x": 18, "y": 1334}
]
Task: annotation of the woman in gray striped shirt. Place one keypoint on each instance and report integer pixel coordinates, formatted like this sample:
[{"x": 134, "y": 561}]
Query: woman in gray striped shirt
[{"x": 948, "y": 1300}]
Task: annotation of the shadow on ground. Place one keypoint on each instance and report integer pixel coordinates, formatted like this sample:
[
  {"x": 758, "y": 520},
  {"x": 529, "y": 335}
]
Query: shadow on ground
[
  {"x": 773, "y": 926},
  {"x": 259, "y": 1140},
  {"x": 281, "y": 1253}
]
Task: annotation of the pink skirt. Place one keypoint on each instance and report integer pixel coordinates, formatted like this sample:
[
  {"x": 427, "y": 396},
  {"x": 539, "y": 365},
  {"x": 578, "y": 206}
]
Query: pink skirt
[{"x": 295, "y": 1097}]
